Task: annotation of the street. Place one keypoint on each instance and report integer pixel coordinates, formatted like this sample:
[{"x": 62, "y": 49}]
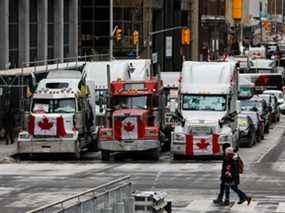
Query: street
[{"x": 190, "y": 184}]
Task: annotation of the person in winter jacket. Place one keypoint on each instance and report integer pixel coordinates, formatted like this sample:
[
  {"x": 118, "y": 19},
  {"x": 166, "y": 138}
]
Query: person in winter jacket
[{"x": 230, "y": 179}]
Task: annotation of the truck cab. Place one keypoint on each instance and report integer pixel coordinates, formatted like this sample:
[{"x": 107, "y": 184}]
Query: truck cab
[
  {"x": 60, "y": 119},
  {"x": 206, "y": 116},
  {"x": 133, "y": 118}
]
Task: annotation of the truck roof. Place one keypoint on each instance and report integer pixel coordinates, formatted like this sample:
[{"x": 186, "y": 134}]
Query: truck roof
[
  {"x": 208, "y": 77},
  {"x": 64, "y": 74},
  {"x": 97, "y": 71}
]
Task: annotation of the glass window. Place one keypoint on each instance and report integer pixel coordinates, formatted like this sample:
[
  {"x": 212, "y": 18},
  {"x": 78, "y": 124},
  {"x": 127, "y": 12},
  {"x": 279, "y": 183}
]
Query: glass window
[
  {"x": 66, "y": 105},
  {"x": 205, "y": 103},
  {"x": 250, "y": 105},
  {"x": 134, "y": 102},
  {"x": 101, "y": 97}
]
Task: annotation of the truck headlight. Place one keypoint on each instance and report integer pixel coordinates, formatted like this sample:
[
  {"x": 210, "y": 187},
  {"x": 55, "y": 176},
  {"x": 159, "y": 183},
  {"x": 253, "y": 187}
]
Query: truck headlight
[
  {"x": 224, "y": 138},
  {"x": 152, "y": 132},
  {"x": 24, "y": 135}
]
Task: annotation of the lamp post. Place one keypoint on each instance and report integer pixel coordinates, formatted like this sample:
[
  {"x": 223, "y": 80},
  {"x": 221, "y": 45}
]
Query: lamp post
[{"x": 111, "y": 31}]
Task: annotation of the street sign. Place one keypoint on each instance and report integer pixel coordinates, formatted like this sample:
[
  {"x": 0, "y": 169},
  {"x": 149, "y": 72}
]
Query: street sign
[
  {"x": 154, "y": 58},
  {"x": 168, "y": 46}
]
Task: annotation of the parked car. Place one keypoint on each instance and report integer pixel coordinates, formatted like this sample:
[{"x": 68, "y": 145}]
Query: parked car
[
  {"x": 278, "y": 94},
  {"x": 257, "y": 104},
  {"x": 273, "y": 107},
  {"x": 247, "y": 131},
  {"x": 258, "y": 123}
]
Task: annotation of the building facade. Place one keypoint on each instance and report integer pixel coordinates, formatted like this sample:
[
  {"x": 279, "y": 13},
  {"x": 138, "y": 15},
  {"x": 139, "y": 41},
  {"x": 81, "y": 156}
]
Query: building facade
[
  {"x": 144, "y": 16},
  {"x": 33, "y": 30}
]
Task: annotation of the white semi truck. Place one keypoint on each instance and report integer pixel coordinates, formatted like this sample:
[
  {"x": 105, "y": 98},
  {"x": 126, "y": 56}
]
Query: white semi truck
[
  {"x": 60, "y": 119},
  {"x": 207, "y": 117}
]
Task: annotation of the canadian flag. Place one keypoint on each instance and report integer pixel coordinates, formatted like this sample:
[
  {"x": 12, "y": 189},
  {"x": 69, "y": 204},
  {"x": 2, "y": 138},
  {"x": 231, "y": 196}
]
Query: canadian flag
[
  {"x": 45, "y": 125},
  {"x": 129, "y": 128},
  {"x": 208, "y": 145}
]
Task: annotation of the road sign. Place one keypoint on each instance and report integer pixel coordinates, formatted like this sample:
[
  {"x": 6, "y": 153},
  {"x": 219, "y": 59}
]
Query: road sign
[
  {"x": 168, "y": 46},
  {"x": 154, "y": 58}
]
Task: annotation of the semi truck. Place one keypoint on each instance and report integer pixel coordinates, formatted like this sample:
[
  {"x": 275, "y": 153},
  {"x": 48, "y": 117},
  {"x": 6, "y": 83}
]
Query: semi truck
[
  {"x": 265, "y": 74},
  {"x": 96, "y": 77},
  {"x": 207, "y": 114},
  {"x": 60, "y": 119},
  {"x": 134, "y": 116}
]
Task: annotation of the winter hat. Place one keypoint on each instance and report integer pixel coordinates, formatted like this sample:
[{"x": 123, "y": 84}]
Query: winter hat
[{"x": 229, "y": 151}]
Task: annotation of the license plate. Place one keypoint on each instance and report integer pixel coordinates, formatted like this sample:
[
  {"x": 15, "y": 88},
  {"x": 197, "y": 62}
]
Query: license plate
[{"x": 46, "y": 148}]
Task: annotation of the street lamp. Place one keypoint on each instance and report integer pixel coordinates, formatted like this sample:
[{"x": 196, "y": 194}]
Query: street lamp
[{"x": 111, "y": 31}]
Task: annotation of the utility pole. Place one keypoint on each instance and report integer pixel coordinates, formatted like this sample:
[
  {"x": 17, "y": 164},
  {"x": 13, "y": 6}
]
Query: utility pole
[
  {"x": 111, "y": 31},
  {"x": 195, "y": 30}
]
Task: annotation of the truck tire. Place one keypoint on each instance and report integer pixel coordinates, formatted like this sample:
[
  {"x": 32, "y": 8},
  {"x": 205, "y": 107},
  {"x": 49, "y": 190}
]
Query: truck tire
[
  {"x": 77, "y": 155},
  {"x": 177, "y": 157},
  {"x": 105, "y": 155},
  {"x": 155, "y": 154}
]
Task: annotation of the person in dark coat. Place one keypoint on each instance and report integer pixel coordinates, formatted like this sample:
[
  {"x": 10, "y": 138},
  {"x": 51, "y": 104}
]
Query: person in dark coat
[
  {"x": 9, "y": 124},
  {"x": 230, "y": 179}
]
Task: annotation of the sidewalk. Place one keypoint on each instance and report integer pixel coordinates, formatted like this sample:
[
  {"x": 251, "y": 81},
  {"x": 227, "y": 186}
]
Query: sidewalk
[{"x": 6, "y": 151}]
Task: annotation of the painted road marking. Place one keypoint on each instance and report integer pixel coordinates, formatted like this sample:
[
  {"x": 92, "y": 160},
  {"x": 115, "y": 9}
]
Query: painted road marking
[{"x": 280, "y": 208}]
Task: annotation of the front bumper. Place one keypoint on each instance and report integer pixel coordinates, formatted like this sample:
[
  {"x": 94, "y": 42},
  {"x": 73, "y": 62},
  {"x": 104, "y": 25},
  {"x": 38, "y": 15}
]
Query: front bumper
[
  {"x": 181, "y": 147},
  {"x": 56, "y": 146},
  {"x": 128, "y": 145}
]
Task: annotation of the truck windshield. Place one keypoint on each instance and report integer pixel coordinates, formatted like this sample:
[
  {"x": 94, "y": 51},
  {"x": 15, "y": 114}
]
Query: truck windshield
[
  {"x": 204, "y": 103},
  {"x": 245, "y": 91},
  {"x": 66, "y": 105},
  {"x": 250, "y": 105},
  {"x": 134, "y": 102}
]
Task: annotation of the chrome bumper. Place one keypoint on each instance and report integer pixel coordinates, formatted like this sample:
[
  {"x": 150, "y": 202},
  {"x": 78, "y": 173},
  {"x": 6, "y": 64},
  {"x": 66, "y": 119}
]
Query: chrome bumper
[
  {"x": 48, "y": 147},
  {"x": 131, "y": 145}
]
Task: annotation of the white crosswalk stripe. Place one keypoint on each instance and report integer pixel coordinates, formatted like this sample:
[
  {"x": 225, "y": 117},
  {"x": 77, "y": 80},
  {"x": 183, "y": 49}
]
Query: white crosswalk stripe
[
  {"x": 280, "y": 208},
  {"x": 206, "y": 205}
]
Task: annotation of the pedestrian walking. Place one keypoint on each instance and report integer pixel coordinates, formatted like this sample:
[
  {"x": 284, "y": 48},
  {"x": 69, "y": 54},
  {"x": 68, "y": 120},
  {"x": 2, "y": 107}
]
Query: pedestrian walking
[
  {"x": 230, "y": 179},
  {"x": 9, "y": 124}
]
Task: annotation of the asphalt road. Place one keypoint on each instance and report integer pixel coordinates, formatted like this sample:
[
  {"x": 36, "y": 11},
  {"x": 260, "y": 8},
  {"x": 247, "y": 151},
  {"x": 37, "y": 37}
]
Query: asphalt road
[{"x": 190, "y": 184}]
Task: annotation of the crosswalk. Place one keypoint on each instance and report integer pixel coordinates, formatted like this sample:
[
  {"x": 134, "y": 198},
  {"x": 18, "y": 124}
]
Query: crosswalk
[{"x": 256, "y": 206}]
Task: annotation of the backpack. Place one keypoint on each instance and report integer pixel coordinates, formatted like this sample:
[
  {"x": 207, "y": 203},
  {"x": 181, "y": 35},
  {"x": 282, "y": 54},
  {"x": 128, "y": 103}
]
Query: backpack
[{"x": 240, "y": 166}]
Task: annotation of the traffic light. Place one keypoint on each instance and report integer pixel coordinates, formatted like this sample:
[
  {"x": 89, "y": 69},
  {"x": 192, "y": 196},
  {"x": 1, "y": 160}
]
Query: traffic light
[
  {"x": 237, "y": 9},
  {"x": 118, "y": 34},
  {"x": 135, "y": 37},
  {"x": 185, "y": 36},
  {"x": 266, "y": 25}
]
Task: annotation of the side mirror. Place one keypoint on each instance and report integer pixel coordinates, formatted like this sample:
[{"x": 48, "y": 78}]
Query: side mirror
[{"x": 220, "y": 123}]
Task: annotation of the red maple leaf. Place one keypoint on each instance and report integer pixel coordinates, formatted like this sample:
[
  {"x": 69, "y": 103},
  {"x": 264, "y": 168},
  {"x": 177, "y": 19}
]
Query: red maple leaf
[
  {"x": 203, "y": 144},
  {"x": 129, "y": 126},
  {"x": 45, "y": 124}
]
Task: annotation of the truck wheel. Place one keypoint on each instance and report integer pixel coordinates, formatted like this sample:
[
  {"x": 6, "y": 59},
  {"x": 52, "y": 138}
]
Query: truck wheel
[
  {"x": 105, "y": 155},
  {"x": 177, "y": 157},
  {"x": 77, "y": 155},
  {"x": 155, "y": 154}
]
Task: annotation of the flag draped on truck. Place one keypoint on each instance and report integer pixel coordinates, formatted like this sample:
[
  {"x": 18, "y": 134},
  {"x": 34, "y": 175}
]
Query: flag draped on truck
[
  {"x": 202, "y": 145},
  {"x": 43, "y": 125}
]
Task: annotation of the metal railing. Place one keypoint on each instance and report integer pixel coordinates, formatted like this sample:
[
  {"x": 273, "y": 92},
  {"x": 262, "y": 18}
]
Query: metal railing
[{"x": 115, "y": 196}]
